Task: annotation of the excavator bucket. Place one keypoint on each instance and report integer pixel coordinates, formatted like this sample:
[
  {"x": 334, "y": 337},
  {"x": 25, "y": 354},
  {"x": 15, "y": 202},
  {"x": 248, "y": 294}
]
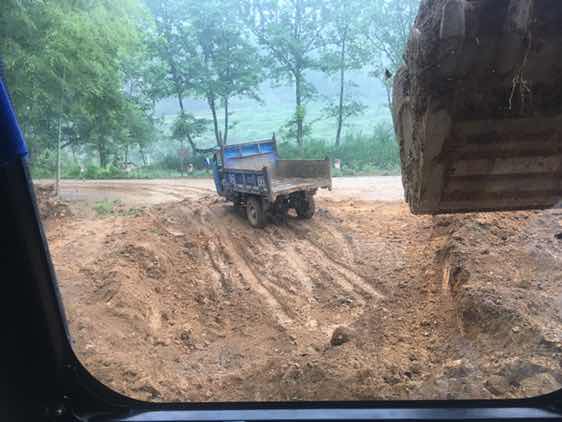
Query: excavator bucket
[{"x": 477, "y": 107}]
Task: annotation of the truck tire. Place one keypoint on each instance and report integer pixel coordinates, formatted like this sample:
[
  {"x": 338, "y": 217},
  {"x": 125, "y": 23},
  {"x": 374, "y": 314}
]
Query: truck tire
[
  {"x": 306, "y": 207},
  {"x": 255, "y": 213}
]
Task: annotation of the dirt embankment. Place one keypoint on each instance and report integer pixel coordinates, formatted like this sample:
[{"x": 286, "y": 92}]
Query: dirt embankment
[
  {"x": 503, "y": 272},
  {"x": 185, "y": 301},
  {"x": 49, "y": 205}
]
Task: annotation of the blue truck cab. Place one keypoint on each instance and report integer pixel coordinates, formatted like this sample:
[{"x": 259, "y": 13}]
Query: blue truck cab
[{"x": 252, "y": 176}]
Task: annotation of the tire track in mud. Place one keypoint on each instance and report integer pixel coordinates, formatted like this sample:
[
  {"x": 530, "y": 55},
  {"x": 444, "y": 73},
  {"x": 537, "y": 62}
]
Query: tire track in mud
[
  {"x": 351, "y": 280},
  {"x": 245, "y": 269},
  {"x": 321, "y": 281},
  {"x": 257, "y": 283},
  {"x": 305, "y": 261},
  {"x": 215, "y": 253},
  {"x": 304, "y": 286}
]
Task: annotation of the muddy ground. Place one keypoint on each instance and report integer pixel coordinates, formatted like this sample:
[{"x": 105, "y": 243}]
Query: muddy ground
[{"x": 183, "y": 300}]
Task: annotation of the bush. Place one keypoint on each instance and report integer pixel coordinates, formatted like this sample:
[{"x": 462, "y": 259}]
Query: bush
[
  {"x": 71, "y": 171},
  {"x": 110, "y": 172},
  {"x": 105, "y": 207}
]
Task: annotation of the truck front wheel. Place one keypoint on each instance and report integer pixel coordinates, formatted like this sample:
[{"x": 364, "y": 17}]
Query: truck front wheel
[
  {"x": 255, "y": 213},
  {"x": 305, "y": 207}
]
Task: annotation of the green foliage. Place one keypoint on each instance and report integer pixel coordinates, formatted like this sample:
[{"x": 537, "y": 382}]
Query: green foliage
[
  {"x": 187, "y": 125},
  {"x": 292, "y": 33},
  {"x": 345, "y": 49},
  {"x": 350, "y": 108},
  {"x": 228, "y": 65},
  {"x": 105, "y": 207},
  {"x": 110, "y": 172},
  {"x": 98, "y": 68},
  {"x": 206, "y": 54},
  {"x": 387, "y": 31},
  {"x": 359, "y": 154},
  {"x": 65, "y": 65}
]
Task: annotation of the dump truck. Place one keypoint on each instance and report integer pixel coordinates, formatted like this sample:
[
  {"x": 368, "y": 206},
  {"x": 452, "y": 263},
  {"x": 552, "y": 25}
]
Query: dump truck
[
  {"x": 252, "y": 176},
  {"x": 477, "y": 106}
]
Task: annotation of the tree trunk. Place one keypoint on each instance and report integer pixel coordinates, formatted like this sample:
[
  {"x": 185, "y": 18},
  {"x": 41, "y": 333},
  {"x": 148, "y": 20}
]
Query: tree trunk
[
  {"x": 180, "y": 102},
  {"x": 342, "y": 82},
  {"x": 225, "y": 139},
  {"x": 57, "y": 182},
  {"x": 299, "y": 115},
  {"x": 213, "y": 107},
  {"x": 102, "y": 153},
  {"x": 143, "y": 155},
  {"x": 59, "y": 137}
]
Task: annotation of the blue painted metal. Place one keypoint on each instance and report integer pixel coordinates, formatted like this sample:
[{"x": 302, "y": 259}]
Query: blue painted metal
[
  {"x": 12, "y": 144},
  {"x": 267, "y": 149},
  {"x": 231, "y": 181},
  {"x": 244, "y": 181},
  {"x": 217, "y": 175}
]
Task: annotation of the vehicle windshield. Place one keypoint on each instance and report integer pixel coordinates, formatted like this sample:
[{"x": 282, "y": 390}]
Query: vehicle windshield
[{"x": 299, "y": 200}]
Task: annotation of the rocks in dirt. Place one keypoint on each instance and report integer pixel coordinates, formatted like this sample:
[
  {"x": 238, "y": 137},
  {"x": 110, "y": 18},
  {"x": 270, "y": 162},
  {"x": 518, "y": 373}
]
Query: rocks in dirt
[
  {"x": 49, "y": 205},
  {"x": 458, "y": 369},
  {"x": 176, "y": 234},
  {"x": 516, "y": 370},
  {"x": 154, "y": 263},
  {"x": 341, "y": 335},
  {"x": 497, "y": 385},
  {"x": 539, "y": 384},
  {"x": 379, "y": 351},
  {"x": 344, "y": 300},
  {"x": 147, "y": 390},
  {"x": 186, "y": 337}
]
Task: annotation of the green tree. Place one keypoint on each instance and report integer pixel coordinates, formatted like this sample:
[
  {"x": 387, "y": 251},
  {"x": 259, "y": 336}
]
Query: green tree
[
  {"x": 64, "y": 64},
  {"x": 344, "y": 50},
  {"x": 172, "y": 46},
  {"x": 229, "y": 66},
  {"x": 292, "y": 33},
  {"x": 387, "y": 31},
  {"x": 145, "y": 83}
]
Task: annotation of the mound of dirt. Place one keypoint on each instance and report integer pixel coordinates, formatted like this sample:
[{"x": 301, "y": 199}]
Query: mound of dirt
[
  {"x": 503, "y": 274},
  {"x": 49, "y": 205},
  {"x": 186, "y": 301}
]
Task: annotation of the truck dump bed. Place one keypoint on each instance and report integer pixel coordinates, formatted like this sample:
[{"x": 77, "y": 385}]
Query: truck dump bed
[{"x": 288, "y": 176}]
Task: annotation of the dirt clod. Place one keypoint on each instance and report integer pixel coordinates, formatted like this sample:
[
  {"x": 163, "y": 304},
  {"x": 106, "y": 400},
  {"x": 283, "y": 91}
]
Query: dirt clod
[{"x": 341, "y": 335}]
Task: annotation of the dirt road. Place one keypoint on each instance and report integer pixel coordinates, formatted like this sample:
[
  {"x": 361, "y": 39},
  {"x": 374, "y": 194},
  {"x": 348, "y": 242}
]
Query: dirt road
[
  {"x": 150, "y": 192},
  {"x": 180, "y": 299}
]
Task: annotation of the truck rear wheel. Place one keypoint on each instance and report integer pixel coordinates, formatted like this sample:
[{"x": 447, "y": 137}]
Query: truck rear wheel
[
  {"x": 255, "y": 213},
  {"x": 306, "y": 207}
]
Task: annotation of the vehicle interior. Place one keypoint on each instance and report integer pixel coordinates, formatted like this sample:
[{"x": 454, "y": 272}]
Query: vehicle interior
[{"x": 258, "y": 280}]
